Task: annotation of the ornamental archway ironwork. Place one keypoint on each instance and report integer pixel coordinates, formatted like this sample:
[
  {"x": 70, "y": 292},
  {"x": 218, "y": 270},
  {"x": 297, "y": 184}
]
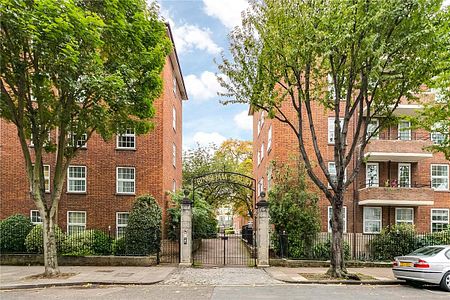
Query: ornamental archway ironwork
[{"x": 226, "y": 247}]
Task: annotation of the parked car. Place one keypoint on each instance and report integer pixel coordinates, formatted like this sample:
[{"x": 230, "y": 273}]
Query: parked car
[{"x": 430, "y": 264}]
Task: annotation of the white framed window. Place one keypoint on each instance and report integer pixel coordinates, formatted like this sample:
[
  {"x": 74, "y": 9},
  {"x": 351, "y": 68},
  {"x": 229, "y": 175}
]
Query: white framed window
[
  {"x": 372, "y": 175},
  {"x": 404, "y": 175},
  {"x": 262, "y": 151},
  {"x": 259, "y": 157},
  {"x": 79, "y": 143},
  {"x": 76, "y": 221},
  {"x": 330, "y": 214},
  {"x": 76, "y": 179},
  {"x": 439, "y": 219},
  {"x": 333, "y": 172},
  {"x": 404, "y": 215},
  {"x": 121, "y": 223},
  {"x": 126, "y": 140},
  {"x": 259, "y": 126},
  {"x": 175, "y": 83},
  {"x": 372, "y": 128},
  {"x": 439, "y": 177},
  {"x": 125, "y": 180},
  {"x": 174, "y": 186},
  {"x": 269, "y": 177},
  {"x": 46, "y": 142},
  {"x": 439, "y": 96},
  {"x": 47, "y": 178},
  {"x": 436, "y": 135},
  {"x": 331, "y": 137},
  {"x": 260, "y": 186},
  {"x": 263, "y": 113},
  {"x": 404, "y": 130},
  {"x": 35, "y": 217},
  {"x": 174, "y": 155},
  {"x": 174, "y": 118},
  {"x": 372, "y": 219},
  {"x": 269, "y": 139}
]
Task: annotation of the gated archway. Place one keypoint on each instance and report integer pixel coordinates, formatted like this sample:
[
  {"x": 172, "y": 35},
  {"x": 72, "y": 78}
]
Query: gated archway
[{"x": 224, "y": 246}]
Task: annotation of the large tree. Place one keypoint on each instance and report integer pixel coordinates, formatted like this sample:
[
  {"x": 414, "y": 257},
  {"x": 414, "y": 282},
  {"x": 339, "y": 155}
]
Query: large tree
[
  {"x": 73, "y": 68},
  {"x": 374, "y": 53}
]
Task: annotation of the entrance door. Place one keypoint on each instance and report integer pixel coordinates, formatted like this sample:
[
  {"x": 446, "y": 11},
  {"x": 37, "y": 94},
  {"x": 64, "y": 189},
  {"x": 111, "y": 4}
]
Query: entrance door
[{"x": 218, "y": 249}]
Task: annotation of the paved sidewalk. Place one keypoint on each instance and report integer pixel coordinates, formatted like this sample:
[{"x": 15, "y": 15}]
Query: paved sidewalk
[
  {"x": 292, "y": 275},
  {"x": 15, "y": 277}
]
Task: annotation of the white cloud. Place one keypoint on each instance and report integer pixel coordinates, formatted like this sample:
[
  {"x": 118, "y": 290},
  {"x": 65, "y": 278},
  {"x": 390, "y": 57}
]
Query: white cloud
[
  {"x": 446, "y": 3},
  {"x": 206, "y": 139},
  {"x": 202, "y": 88},
  {"x": 243, "y": 120},
  {"x": 227, "y": 11},
  {"x": 188, "y": 37}
]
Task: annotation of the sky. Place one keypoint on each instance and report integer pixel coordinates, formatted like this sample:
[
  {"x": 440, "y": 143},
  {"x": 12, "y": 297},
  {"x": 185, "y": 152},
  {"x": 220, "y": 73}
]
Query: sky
[{"x": 200, "y": 29}]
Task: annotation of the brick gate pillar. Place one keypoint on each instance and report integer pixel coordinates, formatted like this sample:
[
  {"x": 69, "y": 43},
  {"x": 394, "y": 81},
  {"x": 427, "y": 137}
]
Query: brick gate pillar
[
  {"x": 262, "y": 232},
  {"x": 186, "y": 231}
]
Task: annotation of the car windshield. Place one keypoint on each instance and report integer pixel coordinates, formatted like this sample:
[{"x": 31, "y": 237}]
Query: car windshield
[{"x": 427, "y": 251}]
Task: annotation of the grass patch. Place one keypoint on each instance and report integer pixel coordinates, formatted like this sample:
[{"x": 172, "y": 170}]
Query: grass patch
[{"x": 323, "y": 276}]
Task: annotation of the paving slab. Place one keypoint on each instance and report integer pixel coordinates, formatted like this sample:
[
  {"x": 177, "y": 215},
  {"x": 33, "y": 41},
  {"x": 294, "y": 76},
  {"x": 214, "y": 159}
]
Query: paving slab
[{"x": 15, "y": 277}]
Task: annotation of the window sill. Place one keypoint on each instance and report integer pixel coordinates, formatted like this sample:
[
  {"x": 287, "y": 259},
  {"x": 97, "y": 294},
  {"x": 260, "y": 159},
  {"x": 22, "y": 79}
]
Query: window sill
[
  {"x": 76, "y": 193},
  {"x": 126, "y": 149},
  {"x": 125, "y": 194}
]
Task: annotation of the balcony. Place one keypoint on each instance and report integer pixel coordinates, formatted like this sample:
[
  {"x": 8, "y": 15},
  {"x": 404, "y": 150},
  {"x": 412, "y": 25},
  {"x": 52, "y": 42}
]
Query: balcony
[
  {"x": 416, "y": 195},
  {"x": 404, "y": 148}
]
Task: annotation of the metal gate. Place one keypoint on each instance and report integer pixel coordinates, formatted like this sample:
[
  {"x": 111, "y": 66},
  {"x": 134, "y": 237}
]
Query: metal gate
[
  {"x": 170, "y": 247},
  {"x": 219, "y": 249}
]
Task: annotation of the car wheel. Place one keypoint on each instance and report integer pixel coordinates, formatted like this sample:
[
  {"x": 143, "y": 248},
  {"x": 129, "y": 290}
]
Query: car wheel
[{"x": 445, "y": 282}]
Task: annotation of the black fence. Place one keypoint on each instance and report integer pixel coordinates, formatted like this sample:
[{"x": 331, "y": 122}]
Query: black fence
[
  {"x": 86, "y": 243},
  {"x": 247, "y": 234},
  {"x": 357, "y": 246}
]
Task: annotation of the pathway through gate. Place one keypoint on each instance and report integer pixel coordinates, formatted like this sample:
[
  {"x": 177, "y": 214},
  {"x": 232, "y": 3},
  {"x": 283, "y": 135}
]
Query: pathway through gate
[{"x": 223, "y": 249}]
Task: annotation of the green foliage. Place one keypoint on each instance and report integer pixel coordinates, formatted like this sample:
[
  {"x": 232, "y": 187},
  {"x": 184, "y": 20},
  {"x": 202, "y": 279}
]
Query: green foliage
[
  {"x": 204, "y": 221},
  {"x": 229, "y": 231},
  {"x": 230, "y": 156},
  {"x": 119, "y": 246},
  {"x": 13, "y": 231},
  {"x": 322, "y": 251},
  {"x": 293, "y": 208},
  {"x": 34, "y": 241},
  {"x": 393, "y": 241},
  {"x": 88, "y": 242},
  {"x": 143, "y": 234}
]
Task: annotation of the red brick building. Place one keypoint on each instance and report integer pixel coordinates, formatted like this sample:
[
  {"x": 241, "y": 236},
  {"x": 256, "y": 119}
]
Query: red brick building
[
  {"x": 400, "y": 182},
  {"x": 105, "y": 177}
]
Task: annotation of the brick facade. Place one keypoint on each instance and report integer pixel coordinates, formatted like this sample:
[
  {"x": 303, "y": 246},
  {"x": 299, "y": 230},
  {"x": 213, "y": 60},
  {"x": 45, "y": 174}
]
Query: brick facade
[
  {"x": 387, "y": 151},
  {"x": 152, "y": 160}
]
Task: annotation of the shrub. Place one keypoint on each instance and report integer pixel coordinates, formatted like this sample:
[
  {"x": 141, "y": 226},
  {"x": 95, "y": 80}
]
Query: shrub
[
  {"x": 143, "y": 234},
  {"x": 34, "y": 242},
  {"x": 119, "y": 247},
  {"x": 395, "y": 240},
  {"x": 322, "y": 251},
  {"x": 88, "y": 242},
  {"x": 229, "y": 231},
  {"x": 13, "y": 231}
]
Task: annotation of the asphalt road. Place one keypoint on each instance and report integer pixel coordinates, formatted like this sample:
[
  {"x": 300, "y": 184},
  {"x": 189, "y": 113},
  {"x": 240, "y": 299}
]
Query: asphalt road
[{"x": 198, "y": 292}]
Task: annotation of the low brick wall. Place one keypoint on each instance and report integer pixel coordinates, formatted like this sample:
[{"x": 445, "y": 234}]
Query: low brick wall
[
  {"x": 278, "y": 262},
  {"x": 36, "y": 259}
]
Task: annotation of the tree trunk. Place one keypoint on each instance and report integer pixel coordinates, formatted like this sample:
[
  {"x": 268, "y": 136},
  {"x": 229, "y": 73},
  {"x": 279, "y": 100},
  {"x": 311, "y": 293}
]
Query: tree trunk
[
  {"x": 50, "y": 251},
  {"x": 337, "y": 264}
]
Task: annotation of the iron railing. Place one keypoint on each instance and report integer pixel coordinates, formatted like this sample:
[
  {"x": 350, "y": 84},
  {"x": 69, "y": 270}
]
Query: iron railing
[
  {"x": 85, "y": 243},
  {"x": 357, "y": 246}
]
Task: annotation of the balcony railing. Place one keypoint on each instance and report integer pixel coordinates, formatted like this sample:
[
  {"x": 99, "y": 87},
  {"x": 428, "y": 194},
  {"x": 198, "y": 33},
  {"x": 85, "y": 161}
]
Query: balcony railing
[
  {"x": 402, "y": 136},
  {"x": 393, "y": 183}
]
